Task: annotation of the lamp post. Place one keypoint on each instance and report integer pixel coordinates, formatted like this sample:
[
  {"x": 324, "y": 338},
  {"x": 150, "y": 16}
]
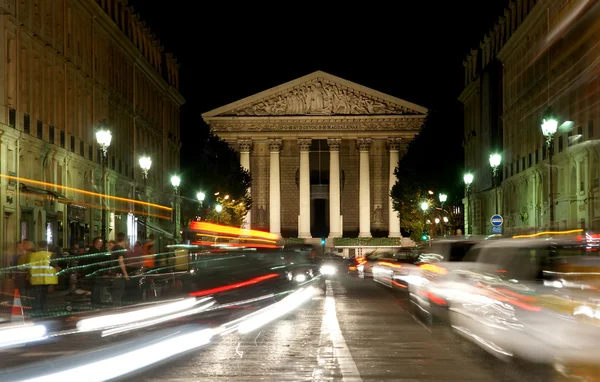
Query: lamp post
[
  {"x": 103, "y": 137},
  {"x": 468, "y": 179},
  {"x": 218, "y": 208},
  {"x": 424, "y": 207},
  {"x": 443, "y": 197},
  {"x": 175, "y": 182},
  {"x": 549, "y": 128},
  {"x": 145, "y": 165},
  {"x": 495, "y": 160}
]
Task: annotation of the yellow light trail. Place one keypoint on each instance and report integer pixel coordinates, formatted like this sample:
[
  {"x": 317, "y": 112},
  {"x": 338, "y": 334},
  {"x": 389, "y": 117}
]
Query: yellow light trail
[
  {"x": 112, "y": 197},
  {"x": 547, "y": 233}
]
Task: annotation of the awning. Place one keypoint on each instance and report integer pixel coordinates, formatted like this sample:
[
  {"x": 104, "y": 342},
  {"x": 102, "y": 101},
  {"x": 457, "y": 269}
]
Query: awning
[
  {"x": 154, "y": 228},
  {"x": 40, "y": 191}
]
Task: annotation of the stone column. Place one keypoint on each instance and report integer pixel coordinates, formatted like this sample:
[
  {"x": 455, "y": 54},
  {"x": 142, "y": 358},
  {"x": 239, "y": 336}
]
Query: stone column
[
  {"x": 393, "y": 145},
  {"x": 274, "y": 187},
  {"x": 304, "y": 217},
  {"x": 335, "y": 229},
  {"x": 364, "y": 198},
  {"x": 245, "y": 145}
]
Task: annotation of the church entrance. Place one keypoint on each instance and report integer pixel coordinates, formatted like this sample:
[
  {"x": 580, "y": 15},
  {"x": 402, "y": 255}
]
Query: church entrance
[{"x": 319, "y": 188}]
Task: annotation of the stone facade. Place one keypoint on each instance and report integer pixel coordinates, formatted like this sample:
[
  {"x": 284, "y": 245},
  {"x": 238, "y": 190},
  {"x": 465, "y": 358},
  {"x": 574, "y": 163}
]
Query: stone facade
[
  {"x": 548, "y": 56},
  {"x": 334, "y": 152},
  {"x": 68, "y": 65}
]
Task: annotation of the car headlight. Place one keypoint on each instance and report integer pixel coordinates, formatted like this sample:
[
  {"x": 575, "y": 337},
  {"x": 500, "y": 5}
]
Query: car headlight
[
  {"x": 328, "y": 270},
  {"x": 300, "y": 278}
]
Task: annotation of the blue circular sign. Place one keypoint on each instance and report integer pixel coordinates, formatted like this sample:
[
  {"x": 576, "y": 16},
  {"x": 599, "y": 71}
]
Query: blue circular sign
[{"x": 497, "y": 220}]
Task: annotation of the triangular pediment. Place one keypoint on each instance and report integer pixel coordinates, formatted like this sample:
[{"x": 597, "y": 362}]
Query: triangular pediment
[{"x": 317, "y": 94}]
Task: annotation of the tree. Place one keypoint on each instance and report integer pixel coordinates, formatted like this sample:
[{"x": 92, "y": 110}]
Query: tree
[
  {"x": 432, "y": 162},
  {"x": 215, "y": 167}
]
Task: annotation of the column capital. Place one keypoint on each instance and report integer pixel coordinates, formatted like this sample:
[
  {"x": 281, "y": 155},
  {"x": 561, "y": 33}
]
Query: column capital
[
  {"x": 363, "y": 144},
  {"x": 245, "y": 145},
  {"x": 393, "y": 144},
  {"x": 334, "y": 144},
  {"x": 275, "y": 145},
  {"x": 304, "y": 144}
]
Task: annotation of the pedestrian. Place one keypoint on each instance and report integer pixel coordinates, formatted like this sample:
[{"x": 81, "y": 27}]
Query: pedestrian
[
  {"x": 118, "y": 254},
  {"x": 90, "y": 266},
  {"x": 42, "y": 275}
]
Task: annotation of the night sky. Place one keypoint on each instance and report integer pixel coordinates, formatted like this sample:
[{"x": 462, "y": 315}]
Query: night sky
[{"x": 412, "y": 50}]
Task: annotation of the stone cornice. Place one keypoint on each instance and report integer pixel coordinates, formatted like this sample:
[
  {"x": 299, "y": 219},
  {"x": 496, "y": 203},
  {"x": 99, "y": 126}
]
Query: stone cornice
[
  {"x": 99, "y": 16},
  {"x": 299, "y": 124},
  {"x": 521, "y": 32}
]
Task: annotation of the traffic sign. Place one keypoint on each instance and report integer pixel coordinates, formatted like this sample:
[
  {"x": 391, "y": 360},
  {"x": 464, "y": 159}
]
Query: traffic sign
[
  {"x": 496, "y": 220},
  {"x": 496, "y": 230}
]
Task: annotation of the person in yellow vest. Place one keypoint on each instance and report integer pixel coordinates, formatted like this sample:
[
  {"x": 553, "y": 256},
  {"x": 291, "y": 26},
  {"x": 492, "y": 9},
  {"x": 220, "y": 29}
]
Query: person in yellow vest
[{"x": 42, "y": 274}]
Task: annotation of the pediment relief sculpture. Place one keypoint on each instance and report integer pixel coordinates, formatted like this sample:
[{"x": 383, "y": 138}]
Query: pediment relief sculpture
[{"x": 320, "y": 97}]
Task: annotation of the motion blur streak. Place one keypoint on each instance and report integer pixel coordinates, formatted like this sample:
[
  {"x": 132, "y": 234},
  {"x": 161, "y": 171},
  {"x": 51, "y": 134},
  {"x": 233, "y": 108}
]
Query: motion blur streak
[
  {"x": 21, "y": 334},
  {"x": 112, "y": 320},
  {"x": 547, "y": 233},
  {"x": 277, "y": 310},
  {"x": 120, "y": 365},
  {"x": 144, "y": 324},
  {"x": 225, "y": 288},
  {"x": 217, "y": 228},
  {"x": 112, "y": 197}
]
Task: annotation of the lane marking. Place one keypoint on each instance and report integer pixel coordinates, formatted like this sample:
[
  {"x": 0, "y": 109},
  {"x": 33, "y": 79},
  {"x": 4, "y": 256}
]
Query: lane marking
[{"x": 334, "y": 345}]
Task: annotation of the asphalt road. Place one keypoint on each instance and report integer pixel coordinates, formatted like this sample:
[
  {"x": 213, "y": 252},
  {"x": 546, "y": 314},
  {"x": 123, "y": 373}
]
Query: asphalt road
[{"x": 357, "y": 331}]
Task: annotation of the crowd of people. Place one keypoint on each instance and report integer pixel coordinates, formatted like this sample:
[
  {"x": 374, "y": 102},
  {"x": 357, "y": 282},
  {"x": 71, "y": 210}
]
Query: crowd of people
[{"x": 104, "y": 271}]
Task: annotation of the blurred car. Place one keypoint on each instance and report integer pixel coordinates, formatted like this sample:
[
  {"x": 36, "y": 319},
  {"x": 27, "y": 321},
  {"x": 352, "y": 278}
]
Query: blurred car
[
  {"x": 529, "y": 299},
  {"x": 331, "y": 265},
  {"x": 365, "y": 265},
  {"x": 398, "y": 270},
  {"x": 427, "y": 288}
]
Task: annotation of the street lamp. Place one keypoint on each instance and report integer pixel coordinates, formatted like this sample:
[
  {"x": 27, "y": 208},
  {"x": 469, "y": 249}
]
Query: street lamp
[
  {"x": 495, "y": 160},
  {"x": 175, "y": 182},
  {"x": 549, "y": 128},
  {"x": 443, "y": 197},
  {"x": 200, "y": 196},
  {"x": 468, "y": 179},
  {"x": 145, "y": 164},
  {"x": 103, "y": 137},
  {"x": 424, "y": 207}
]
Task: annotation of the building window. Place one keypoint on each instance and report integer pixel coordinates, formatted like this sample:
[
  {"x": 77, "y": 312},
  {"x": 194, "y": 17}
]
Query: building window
[
  {"x": 529, "y": 161},
  {"x": 82, "y": 149},
  {"x": 40, "y": 129},
  {"x": 560, "y": 144},
  {"x": 72, "y": 144},
  {"x": 26, "y": 126},
  {"x": 120, "y": 167},
  {"x": 62, "y": 139},
  {"x": 12, "y": 118},
  {"x": 590, "y": 129},
  {"x": 91, "y": 153},
  {"x": 99, "y": 156},
  {"x": 112, "y": 164},
  {"x": 581, "y": 177},
  {"x": 523, "y": 164},
  {"x": 537, "y": 156},
  {"x": 570, "y": 138},
  {"x": 51, "y": 134},
  {"x": 580, "y": 131}
]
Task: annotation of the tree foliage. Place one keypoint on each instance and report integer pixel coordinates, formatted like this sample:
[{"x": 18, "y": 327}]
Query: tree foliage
[
  {"x": 432, "y": 162},
  {"x": 217, "y": 168}
]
